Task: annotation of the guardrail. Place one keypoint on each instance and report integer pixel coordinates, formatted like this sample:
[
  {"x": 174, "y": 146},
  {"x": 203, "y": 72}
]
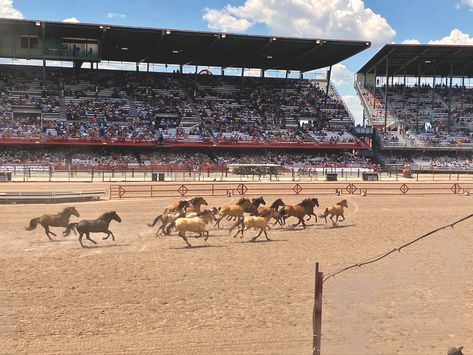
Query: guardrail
[
  {"x": 50, "y": 196},
  {"x": 286, "y": 189}
]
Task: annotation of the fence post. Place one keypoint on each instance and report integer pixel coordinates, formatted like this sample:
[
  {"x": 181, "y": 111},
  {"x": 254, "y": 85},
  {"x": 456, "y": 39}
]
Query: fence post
[{"x": 317, "y": 312}]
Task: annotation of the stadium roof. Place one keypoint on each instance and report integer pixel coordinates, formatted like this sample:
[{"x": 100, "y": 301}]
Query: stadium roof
[
  {"x": 435, "y": 60},
  {"x": 169, "y": 46}
]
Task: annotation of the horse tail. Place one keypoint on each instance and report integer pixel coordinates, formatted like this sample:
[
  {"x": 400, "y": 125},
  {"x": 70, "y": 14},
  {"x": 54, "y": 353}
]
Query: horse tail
[
  {"x": 33, "y": 224},
  {"x": 156, "y": 220},
  {"x": 169, "y": 226},
  {"x": 325, "y": 214},
  {"x": 70, "y": 227},
  {"x": 238, "y": 223}
]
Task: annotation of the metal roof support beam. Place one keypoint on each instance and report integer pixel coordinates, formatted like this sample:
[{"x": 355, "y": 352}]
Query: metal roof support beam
[
  {"x": 433, "y": 90},
  {"x": 418, "y": 96},
  {"x": 404, "y": 91},
  {"x": 435, "y": 65},
  {"x": 329, "y": 75},
  {"x": 410, "y": 61},
  {"x": 147, "y": 78},
  {"x": 463, "y": 89},
  {"x": 386, "y": 83},
  {"x": 380, "y": 61},
  {"x": 449, "y": 121}
]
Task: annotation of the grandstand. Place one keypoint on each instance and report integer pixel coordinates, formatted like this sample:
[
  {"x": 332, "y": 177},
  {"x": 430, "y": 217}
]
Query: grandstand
[
  {"x": 420, "y": 102},
  {"x": 156, "y": 111}
]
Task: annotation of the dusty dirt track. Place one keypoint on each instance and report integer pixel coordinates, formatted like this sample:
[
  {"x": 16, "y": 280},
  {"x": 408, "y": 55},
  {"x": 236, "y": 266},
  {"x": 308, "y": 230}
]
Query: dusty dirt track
[{"x": 141, "y": 294}]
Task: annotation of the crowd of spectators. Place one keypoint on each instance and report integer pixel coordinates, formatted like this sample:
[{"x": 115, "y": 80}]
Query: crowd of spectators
[
  {"x": 120, "y": 158},
  {"x": 160, "y": 108}
]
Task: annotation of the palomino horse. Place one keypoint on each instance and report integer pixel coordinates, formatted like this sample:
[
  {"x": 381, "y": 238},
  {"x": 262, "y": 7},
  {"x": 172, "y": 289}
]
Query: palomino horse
[
  {"x": 53, "y": 220},
  {"x": 256, "y": 222},
  {"x": 196, "y": 203},
  {"x": 306, "y": 207},
  {"x": 335, "y": 210},
  {"x": 99, "y": 225},
  {"x": 178, "y": 207},
  {"x": 274, "y": 206},
  {"x": 236, "y": 210},
  {"x": 196, "y": 224},
  {"x": 255, "y": 204}
]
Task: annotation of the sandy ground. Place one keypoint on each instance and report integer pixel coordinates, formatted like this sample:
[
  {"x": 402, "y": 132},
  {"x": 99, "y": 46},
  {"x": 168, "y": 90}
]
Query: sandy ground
[{"x": 146, "y": 295}]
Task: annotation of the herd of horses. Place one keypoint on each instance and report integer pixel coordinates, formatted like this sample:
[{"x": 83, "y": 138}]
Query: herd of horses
[{"x": 189, "y": 216}]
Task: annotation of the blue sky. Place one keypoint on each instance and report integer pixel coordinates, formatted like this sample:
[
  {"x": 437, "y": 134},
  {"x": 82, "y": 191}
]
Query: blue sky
[{"x": 379, "y": 21}]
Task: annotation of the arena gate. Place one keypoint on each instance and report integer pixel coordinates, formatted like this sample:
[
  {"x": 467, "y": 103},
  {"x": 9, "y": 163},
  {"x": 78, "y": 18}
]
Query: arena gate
[{"x": 160, "y": 190}]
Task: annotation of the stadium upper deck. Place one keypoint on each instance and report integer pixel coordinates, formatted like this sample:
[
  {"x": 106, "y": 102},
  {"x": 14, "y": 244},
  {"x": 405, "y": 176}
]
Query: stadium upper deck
[
  {"x": 419, "y": 97},
  {"x": 90, "y": 106}
]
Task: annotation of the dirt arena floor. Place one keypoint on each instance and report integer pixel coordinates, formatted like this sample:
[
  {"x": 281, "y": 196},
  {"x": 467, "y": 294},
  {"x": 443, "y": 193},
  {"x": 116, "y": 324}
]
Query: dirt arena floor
[{"x": 145, "y": 295}]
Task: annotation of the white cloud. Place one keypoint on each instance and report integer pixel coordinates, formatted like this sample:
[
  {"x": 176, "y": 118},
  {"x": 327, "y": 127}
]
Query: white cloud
[
  {"x": 468, "y": 3},
  {"x": 354, "y": 105},
  {"x": 115, "y": 14},
  {"x": 455, "y": 37},
  {"x": 8, "y": 11},
  {"x": 71, "y": 20},
  {"x": 338, "y": 19},
  {"x": 410, "y": 41},
  {"x": 342, "y": 76},
  {"x": 221, "y": 21}
]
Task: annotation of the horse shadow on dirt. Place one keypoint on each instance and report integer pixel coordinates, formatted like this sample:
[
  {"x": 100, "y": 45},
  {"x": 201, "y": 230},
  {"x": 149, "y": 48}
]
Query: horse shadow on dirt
[
  {"x": 264, "y": 241},
  {"x": 51, "y": 241},
  {"x": 338, "y": 226},
  {"x": 197, "y": 247},
  {"x": 101, "y": 246}
]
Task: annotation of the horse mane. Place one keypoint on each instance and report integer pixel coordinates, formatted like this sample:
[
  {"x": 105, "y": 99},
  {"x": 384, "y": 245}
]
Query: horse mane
[
  {"x": 242, "y": 200},
  {"x": 104, "y": 215},
  {"x": 182, "y": 204},
  {"x": 306, "y": 202},
  {"x": 276, "y": 203}
]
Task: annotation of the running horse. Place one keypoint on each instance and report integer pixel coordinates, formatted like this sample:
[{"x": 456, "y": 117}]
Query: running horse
[
  {"x": 306, "y": 207},
  {"x": 263, "y": 210},
  {"x": 196, "y": 203},
  {"x": 335, "y": 210},
  {"x": 60, "y": 219},
  {"x": 236, "y": 210},
  {"x": 178, "y": 207},
  {"x": 255, "y": 204},
  {"x": 99, "y": 225}
]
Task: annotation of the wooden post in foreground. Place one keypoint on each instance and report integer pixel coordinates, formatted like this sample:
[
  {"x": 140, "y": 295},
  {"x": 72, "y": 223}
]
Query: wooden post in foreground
[{"x": 317, "y": 312}]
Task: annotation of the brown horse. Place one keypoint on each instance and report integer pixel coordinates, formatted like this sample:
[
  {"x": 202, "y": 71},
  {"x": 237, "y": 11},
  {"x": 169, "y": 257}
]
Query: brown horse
[
  {"x": 335, "y": 210},
  {"x": 99, "y": 225},
  {"x": 53, "y": 220},
  {"x": 265, "y": 209},
  {"x": 306, "y": 207},
  {"x": 196, "y": 203},
  {"x": 236, "y": 210}
]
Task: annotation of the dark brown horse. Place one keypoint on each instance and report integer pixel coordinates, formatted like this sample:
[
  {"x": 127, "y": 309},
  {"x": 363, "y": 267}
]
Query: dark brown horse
[
  {"x": 306, "y": 207},
  {"x": 99, "y": 225},
  {"x": 60, "y": 219},
  {"x": 263, "y": 210}
]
